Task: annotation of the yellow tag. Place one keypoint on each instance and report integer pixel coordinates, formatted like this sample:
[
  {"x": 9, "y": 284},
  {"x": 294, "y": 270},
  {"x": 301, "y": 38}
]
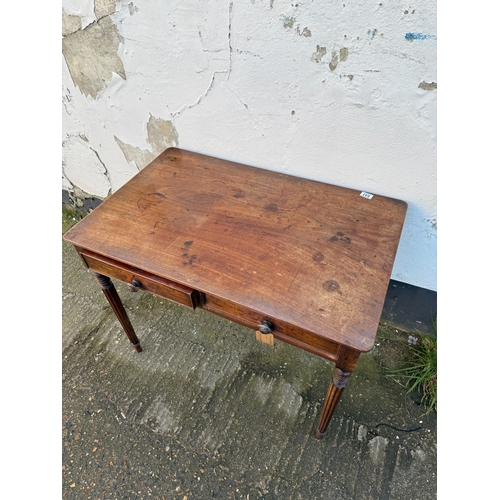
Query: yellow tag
[{"x": 265, "y": 338}]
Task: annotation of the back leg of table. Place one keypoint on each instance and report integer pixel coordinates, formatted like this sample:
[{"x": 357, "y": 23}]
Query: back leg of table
[
  {"x": 343, "y": 369},
  {"x": 115, "y": 302}
]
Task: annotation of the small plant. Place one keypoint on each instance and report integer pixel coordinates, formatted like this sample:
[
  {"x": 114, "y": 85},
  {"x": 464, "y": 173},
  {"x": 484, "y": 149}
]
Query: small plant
[
  {"x": 69, "y": 217},
  {"x": 420, "y": 373},
  {"x": 71, "y": 213}
]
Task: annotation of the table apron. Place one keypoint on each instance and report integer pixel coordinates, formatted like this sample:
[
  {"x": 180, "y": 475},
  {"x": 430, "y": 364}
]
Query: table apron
[
  {"x": 186, "y": 296},
  {"x": 283, "y": 331},
  {"x": 164, "y": 288}
]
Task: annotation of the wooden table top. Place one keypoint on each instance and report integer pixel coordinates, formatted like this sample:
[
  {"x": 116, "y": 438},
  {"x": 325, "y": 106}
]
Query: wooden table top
[{"x": 314, "y": 255}]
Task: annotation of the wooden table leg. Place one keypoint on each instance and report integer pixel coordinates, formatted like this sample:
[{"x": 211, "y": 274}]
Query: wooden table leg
[
  {"x": 343, "y": 368},
  {"x": 111, "y": 294}
]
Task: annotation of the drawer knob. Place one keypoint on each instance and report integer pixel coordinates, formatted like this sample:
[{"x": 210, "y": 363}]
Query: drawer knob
[
  {"x": 265, "y": 327},
  {"x": 134, "y": 285}
]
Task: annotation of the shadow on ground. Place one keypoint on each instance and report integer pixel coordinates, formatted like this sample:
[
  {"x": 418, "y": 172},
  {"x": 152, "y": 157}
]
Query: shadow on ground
[{"x": 205, "y": 411}]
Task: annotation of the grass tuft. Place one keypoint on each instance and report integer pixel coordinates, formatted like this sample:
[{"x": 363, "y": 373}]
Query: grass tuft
[{"x": 420, "y": 373}]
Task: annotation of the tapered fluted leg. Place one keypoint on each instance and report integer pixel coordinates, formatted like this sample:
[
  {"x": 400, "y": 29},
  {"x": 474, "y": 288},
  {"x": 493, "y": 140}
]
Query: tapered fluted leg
[
  {"x": 337, "y": 384},
  {"x": 343, "y": 369},
  {"x": 115, "y": 302}
]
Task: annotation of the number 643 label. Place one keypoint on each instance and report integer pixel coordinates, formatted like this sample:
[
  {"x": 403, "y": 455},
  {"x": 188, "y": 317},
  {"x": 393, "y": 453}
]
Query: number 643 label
[{"x": 368, "y": 196}]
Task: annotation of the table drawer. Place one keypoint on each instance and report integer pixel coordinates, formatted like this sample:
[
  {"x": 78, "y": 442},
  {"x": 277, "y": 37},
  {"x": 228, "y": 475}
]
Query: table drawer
[
  {"x": 148, "y": 282},
  {"x": 281, "y": 330}
]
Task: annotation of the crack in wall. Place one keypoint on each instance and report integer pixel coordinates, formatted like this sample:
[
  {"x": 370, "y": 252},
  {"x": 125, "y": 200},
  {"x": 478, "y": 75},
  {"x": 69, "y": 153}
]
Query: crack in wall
[
  {"x": 65, "y": 177},
  {"x": 209, "y": 88},
  {"x": 83, "y": 167},
  {"x": 105, "y": 173},
  {"x": 237, "y": 97},
  {"x": 230, "y": 16},
  {"x": 247, "y": 52},
  {"x": 227, "y": 71}
]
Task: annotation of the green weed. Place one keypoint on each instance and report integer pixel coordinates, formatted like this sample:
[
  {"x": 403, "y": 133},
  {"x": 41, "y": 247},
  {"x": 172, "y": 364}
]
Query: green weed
[
  {"x": 70, "y": 217},
  {"x": 420, "y": 372}
]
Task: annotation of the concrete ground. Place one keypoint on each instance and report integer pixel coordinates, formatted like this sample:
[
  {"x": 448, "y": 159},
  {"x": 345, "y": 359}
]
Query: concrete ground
[{"x": 206, "y": 411}]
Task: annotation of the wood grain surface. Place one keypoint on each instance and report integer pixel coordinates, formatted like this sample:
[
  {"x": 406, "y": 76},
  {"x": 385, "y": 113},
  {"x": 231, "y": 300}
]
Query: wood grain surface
[{"x": 313, "y": 255}]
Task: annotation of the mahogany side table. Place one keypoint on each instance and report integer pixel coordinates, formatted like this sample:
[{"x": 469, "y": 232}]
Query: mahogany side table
[{"x": 306, "y": 262}]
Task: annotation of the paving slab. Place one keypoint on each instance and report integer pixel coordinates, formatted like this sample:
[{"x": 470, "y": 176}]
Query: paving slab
[{"x": 206, "y": 411}]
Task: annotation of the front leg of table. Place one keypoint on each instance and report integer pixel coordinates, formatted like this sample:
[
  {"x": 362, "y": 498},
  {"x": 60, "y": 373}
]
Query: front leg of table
[
  {"x": 115, "y": 302},
  {"x": 343, "y": 369}
]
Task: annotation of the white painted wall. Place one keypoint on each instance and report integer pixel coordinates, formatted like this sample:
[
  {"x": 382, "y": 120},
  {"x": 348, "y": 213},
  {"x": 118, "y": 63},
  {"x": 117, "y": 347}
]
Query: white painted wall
[{"x": 338, "y": 91}]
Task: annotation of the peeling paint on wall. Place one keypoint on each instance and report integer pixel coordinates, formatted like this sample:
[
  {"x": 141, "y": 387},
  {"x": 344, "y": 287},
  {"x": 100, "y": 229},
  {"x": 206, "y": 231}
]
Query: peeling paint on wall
[
  {"x": 91, "y": 56},
  {"x": 338, "y": 57},
  {"x": 104, "y": 7},
  {"x": 305, "y": 32},
  {"x": 334, "y": 62},
  {"x": 433, "y": 223},
  {"x": 141, "y": 157},
  {"x": 427, "y": 85},
  {"x": 237, "y": 81},
  {"x": 132, "y": 9},
  {"x": 84, "y": 9},
  {"x": 320, "y": 52},
  {"x": 161, "y": 135},
  {"x": 70, "y": 23}
]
